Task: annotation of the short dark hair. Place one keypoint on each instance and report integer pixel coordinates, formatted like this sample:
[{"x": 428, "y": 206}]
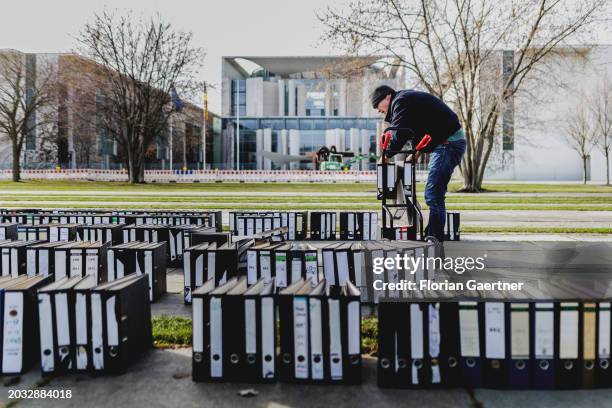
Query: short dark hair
[{"x": 381, "y": 93}]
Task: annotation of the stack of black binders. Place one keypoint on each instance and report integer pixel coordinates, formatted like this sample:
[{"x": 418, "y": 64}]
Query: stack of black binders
[
  {"x": 549, "y": 335},
  {"x": 49, "y": 232},
  {"x": 80, "y": 258},
  {"x": 111, "y": 233},
  {"x": 97, "y": 329},
  {"x": 210, "y": 261},
  {"x": 451, "y": 228},
  {"x": 8, "y": 231},
  {"x": 234, "y": 332},
  {"x": 320, "y": 334},
  {"x": 358, "y": 226},
  {"x": 140, "y": 258},
  {"x": 19, "y": 322},
  {"x": 13, "y": 257},
  {"x": 323, "y": 226}
]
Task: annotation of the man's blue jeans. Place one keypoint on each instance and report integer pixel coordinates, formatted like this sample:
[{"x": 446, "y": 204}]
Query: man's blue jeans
[{"x": 442, "y": 162}]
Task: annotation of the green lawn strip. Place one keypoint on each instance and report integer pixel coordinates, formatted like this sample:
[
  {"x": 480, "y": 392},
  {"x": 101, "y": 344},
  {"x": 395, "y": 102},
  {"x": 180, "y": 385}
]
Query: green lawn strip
[
  {"x": 205, "y": 199},
  {"x": 537, "y": 230},
  {"x": 254, "y": 205},
  {"x": 63, "y": 185},
  {"x": 175, "y": 331},
  {"x": 483, "y": 199},
  {"x": 539, "y": 188},
  {"x": 58, "y": 185},
  {"x": 171, "y": 331}
]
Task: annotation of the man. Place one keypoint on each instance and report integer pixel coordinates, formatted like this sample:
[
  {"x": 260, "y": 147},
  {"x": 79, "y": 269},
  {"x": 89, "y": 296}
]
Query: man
[{"x": 425, "y": 114}]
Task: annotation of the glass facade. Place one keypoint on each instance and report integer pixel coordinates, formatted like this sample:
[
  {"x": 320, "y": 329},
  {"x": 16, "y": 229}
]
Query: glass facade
[{"x": 297, "y": 136}]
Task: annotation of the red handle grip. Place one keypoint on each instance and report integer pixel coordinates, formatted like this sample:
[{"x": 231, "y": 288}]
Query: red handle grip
[
  {"x": 423, "y": 143},
  {"x": 385, "y": 139}
]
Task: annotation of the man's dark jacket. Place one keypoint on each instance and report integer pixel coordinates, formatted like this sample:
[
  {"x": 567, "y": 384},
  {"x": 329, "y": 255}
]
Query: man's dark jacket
[{"x": 425, "y": 114}]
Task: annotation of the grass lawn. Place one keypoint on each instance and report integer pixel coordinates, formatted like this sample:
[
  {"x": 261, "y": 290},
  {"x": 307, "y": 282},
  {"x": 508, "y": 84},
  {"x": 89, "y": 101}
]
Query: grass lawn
[
  {"x": 175, "y": 331},
  {"x": 537, "y": 230},
  {"x": 58, "y": 185}
]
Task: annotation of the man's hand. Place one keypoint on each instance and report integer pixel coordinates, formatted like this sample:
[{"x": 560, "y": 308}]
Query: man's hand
[{"x": 413, "y": 158}]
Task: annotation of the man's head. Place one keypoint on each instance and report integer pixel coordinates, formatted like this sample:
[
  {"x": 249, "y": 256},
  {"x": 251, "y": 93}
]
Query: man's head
[{"x": 381, "y": 98}]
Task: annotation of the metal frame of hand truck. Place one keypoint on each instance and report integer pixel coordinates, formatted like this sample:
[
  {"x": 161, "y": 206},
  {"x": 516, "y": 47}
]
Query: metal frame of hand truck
[{"x": 411, "y": 205}]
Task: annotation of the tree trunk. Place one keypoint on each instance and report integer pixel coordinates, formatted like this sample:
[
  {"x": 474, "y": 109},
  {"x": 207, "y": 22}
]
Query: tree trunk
[
  {"x": 131, "y": 169},
  {"x": 16, "y": 166},
  {"x": 607, "y": 168},
  {"x": 584, "y": 170}
]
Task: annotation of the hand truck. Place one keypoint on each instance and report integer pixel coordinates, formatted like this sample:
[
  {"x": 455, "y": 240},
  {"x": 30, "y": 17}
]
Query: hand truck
[{"x": 396, "y": 187}]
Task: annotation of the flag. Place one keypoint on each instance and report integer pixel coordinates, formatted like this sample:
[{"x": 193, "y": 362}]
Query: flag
[{"x": 177, "y": 103}]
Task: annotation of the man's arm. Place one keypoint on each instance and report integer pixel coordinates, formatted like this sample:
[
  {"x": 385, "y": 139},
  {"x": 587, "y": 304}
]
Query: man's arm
[{"x": 401, "y": 117}]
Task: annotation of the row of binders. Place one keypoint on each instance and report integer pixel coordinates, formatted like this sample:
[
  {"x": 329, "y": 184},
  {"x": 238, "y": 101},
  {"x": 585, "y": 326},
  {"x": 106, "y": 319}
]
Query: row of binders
[
  {"x": 86, "y": 327},
  {"x": 235, "y": 334},
  {"x": 287, "y": 262},
  {"x": 73, "y": 324},
  {"x": 343, "y": 225},
  {"x": 551, "y": 339},
  {"x": 103, "y": 262},
  {"x": 95, "y": 217},
  {"x": 338, "y": 263}
]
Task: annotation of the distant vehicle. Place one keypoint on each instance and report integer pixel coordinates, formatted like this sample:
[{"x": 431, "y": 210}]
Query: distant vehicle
[{"x": 327, "y": 159}]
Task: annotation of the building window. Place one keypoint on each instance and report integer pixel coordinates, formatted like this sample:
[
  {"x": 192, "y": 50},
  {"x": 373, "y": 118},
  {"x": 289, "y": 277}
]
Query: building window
[{"x": 238, "y": 90}]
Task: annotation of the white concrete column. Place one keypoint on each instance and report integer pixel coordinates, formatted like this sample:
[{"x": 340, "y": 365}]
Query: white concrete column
[
  {"x": 342, "y": 97},
  {"x": 281, "y": 97},
  {"x": 301, "y": 100},
  {"x": 283, "y": 145},
  {"x": 267, "y": 147},
  {"x": 355, "y": 139},
  {"x": 292, "y": 97},
  {"x": 329, "y": 106},
  {"x": 259, "y": 147},
  {"x": 365, "y": 147},
  {"x": 294, "y": 147}
]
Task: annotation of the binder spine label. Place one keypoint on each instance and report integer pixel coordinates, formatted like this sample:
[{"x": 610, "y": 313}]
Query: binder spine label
[
  {"x": 434, "y": 341},
  {"x": 316, "y": 339},
  {"x": 544, "y": 331},
  {"x": 267, "y": 336},
  {"x": 198, "y": 325},
  {"x": 494, "y": 330},
  {"x": 519, "y": 327},
  {"x": 604, "y": 331},
  {"x": 335, "y": 347},
  {"x": 300, "y": 336},
  {"x": 216, "y": 338},
  {"x": 468, "y": 329},
  {"x": 96, "y": 331},
  {"x": 250, "y": 327},
  {"x": 568, "y": 348},
  {"x": 47, "y": 363}
]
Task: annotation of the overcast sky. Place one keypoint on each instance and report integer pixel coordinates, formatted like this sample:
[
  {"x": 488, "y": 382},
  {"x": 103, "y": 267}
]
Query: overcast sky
[{"x": 221, "y": 27}]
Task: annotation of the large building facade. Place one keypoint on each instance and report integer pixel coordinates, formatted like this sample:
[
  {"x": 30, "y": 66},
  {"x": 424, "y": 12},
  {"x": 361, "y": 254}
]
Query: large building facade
[
  {"x": 532, "y": 135},
  {"x": 69, "y": 137},
  {"x": 293, "y": 106}
]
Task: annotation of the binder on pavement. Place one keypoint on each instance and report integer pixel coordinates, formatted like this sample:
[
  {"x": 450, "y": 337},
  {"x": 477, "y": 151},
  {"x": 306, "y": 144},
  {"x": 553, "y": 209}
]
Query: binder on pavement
[{"x": 20, "y": 332}]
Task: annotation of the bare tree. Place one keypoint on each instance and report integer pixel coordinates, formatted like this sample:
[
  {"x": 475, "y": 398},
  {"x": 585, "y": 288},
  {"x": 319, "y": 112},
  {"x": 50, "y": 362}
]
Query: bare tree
[
  {"x": 580, "y": 134},
  {"x": 601, "y": 108},
  {"x": 447, "y": 46},
  {"x": 27, "y": 97},
  {"x": 138, "y": 62}
]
